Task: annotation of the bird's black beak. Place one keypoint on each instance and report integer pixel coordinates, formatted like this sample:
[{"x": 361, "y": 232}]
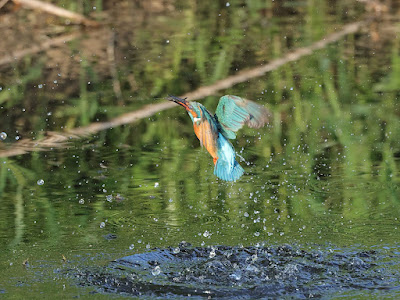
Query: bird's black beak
[{"x": 180, "y": 101}]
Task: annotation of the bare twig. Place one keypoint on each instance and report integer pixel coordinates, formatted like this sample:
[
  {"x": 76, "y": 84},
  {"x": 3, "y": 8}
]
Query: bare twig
[
  {"x": 149, "y": 110},
  {"x": 58, "y": 11},
  {"x": 38, "y": 48},
  {"x": 2, "y": 3},
  {"x": 50, "y": 141}
]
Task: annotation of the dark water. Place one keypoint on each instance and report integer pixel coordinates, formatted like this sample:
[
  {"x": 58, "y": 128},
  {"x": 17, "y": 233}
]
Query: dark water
[{"x": 316, "y": 214}]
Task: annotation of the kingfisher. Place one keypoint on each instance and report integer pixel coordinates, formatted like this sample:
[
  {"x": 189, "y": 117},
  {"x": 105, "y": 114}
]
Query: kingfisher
[{"x": 214, "y": 131}]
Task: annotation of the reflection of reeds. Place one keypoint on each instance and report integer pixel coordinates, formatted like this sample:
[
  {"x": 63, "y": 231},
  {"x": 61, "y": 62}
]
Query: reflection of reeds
[
  {"x": 334, "y": 141},
  {"x": 87, "y": 110}
]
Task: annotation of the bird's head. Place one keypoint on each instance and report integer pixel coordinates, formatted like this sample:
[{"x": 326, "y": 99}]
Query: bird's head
[{"x": 192, "y": 108}]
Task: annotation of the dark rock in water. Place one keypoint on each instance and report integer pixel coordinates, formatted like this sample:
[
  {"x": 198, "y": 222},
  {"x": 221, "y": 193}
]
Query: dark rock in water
[{"x": 243, "y": 273}]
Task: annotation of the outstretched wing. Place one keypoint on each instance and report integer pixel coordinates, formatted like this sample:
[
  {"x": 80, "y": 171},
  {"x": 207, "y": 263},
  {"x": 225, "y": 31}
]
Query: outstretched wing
[{"x": 233, "y": 112}]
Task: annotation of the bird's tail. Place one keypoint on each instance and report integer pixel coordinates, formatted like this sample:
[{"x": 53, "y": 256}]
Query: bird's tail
[{"x": 226, "y": 171}]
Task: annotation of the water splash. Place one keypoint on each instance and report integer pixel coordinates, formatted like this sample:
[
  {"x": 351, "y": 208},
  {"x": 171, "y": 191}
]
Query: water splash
[{"x": 248, "y": 272}]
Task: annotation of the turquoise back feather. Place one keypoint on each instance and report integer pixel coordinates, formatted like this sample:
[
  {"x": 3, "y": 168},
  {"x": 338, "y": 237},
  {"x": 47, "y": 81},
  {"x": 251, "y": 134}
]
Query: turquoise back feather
[
  {"x": 202, "y": 111},
  {"x": 227, "y": 168}
]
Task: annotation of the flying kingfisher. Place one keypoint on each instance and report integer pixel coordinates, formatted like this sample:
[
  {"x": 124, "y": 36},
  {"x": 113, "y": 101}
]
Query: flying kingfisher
[{"x": 213, "y": 131}]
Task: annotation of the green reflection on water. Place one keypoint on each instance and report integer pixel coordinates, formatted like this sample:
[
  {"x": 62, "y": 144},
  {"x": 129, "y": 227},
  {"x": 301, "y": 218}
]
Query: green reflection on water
[{"x": 326, "y": 170}]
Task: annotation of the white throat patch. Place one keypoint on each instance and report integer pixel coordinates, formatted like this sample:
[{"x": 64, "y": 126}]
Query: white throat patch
[{"x": 196, "y": 119}]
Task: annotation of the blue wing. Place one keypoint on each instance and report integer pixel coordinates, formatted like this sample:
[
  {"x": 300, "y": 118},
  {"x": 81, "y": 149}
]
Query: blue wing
[{"x": 233, "y": 112}]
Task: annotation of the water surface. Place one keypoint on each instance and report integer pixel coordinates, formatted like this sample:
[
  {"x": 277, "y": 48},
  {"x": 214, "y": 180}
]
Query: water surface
[{"x": 323, "y": 175}]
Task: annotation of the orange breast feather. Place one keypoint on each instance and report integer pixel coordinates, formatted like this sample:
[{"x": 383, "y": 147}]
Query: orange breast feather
[{"x": 207, "y": 137}]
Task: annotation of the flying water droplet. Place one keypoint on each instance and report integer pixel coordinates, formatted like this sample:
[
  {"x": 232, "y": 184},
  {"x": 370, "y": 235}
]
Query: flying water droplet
[
  {"x": 102, "y": 224},
  {"x": 212, "y": 253},
  {"x": 235, "y": 276},
  {"x": 40, "y": 182},
  {"x": 3, "y": 136},
  {"x": 156, "y": 271}
]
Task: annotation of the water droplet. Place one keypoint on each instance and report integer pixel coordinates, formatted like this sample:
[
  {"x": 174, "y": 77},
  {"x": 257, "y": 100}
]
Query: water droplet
[
  {"x": 156, "y": 184},
  {"x": 227, "y": 4},
  {"x": 177, "y": 250},
  {"x": 206, "y": 233},
  {"x": 156, "y": 271},
  {"x": 235, "y": 276},
  {"x": 40, "y": 86},
  {"x": 102, "y": 224},
  {"x": 109, "y": 198},
  {"x": 81, "y": 201},
  {"x": 40, "y": 182},
  {"x": 3, "y": 136},
  {"x": 212, "y": 253},
  {"x": 131, "y": 246}
]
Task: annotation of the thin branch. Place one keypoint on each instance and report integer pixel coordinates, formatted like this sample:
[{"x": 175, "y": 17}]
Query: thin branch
[
  {"x": 38, "y": 48},
  {"x": 59, "y": 139},
  {"x": 2, "y": 3},
  {"x": 58, "y": 11}
]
